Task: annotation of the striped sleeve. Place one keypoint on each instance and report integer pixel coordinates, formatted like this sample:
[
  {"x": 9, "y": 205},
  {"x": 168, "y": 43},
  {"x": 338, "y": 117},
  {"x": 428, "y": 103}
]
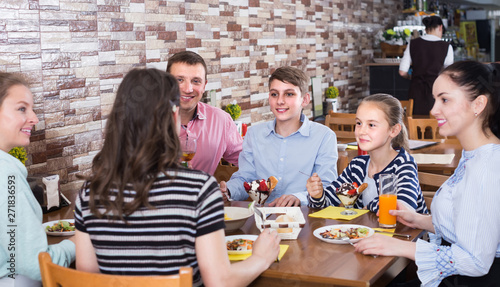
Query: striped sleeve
[
  {"x": 354, "y": 172},
  {"x": 211, "y": 209},
  {"x": 408, "y": 186}
]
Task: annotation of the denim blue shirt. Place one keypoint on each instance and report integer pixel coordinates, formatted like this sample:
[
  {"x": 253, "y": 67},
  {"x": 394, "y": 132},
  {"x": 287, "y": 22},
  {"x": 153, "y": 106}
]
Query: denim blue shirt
[{"x": 312, "y": 148}]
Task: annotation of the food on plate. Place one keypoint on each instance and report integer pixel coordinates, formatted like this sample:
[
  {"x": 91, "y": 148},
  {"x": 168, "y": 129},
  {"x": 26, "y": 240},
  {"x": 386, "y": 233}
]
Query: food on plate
[
  {"x": 227, "y": 217},
  {"x": 260, "y": 189},
  {"x": 285, "y": 218},
  {"x": 352, "y": 233},
  {"x": 239, "y": 245},
  {"x": 61, "y": 226},
  {"x": 348, "y": 193}
]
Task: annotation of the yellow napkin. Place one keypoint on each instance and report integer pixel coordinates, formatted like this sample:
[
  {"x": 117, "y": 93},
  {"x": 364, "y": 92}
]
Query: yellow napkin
[
  {"x": 239, "y": 257},
  {"x": 333, "y": 212},
  {"x": 386, "y": 230}
]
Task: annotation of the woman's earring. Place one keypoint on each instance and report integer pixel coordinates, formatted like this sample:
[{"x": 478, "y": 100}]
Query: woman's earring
[{"x": 475, "y": 114}]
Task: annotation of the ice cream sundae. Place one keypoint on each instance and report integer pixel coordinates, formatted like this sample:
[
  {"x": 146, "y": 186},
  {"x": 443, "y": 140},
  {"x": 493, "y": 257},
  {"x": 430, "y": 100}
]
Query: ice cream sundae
[
  {"x": 348, "y": 193},
  {"x": 260, "y": 189}
]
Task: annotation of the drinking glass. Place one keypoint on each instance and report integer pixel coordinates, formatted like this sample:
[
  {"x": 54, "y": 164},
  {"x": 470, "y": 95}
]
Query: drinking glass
[
  {"x": 387, "y": 200},
  {"x": 188, "y": 146}
]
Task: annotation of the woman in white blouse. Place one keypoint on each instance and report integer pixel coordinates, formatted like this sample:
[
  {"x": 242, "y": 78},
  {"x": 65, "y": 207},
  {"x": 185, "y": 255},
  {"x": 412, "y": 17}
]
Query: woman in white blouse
[{"x": 464, "y": 249}]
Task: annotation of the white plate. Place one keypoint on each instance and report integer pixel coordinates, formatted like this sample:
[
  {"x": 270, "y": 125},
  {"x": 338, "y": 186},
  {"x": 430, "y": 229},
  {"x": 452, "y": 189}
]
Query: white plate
[
  {"x": 317, "y": 232},
  {"x": 50, "y": 223},
  {"x": 242, "y": 236}
]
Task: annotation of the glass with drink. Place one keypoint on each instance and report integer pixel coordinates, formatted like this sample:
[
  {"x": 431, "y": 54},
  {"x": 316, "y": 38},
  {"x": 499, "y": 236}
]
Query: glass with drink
[
  {"x": 387, "y": 200},
  {"x": 188, "y": 145}
]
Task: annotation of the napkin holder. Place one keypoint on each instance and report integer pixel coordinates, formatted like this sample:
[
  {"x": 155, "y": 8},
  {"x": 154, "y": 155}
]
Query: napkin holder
[
  {"x": 294, "y": 212},
  {"x": 47, "y": 191}
]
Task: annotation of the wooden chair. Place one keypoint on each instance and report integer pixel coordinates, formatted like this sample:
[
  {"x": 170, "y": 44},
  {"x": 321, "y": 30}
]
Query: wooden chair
[
  {"x": 342, "y": 162},
  {"x": 423, "y": 129},
  {"x": 430, "y": 181},
  {"x": 54, "y": 275},
  {"x": 343, "y": 125},
  {"x": 224, "y": 171},
  {"x": 408, "y": 110}
]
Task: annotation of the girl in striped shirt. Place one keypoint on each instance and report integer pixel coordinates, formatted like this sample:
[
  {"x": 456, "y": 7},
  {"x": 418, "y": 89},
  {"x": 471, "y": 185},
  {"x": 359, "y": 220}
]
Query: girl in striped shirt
[{"x": 381, "y": 132}]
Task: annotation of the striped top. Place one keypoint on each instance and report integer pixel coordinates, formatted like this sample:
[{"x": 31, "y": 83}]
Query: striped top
[
  {"x": 403, "y": 166},
  {"x": 464, "y": 213},
  {"x": 157, "y": 241}
]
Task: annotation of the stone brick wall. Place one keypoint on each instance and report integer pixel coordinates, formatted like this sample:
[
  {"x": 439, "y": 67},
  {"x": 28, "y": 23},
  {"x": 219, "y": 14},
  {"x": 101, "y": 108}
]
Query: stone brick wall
[{"x": 75, "y": 53}]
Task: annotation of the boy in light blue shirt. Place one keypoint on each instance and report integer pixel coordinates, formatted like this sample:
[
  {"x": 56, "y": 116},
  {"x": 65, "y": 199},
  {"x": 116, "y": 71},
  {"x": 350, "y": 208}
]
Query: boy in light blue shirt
[{"x": 290, "y": 147}]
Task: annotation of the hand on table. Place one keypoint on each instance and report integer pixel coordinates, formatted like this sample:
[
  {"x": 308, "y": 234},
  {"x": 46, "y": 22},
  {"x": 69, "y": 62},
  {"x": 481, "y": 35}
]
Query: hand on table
[
  {"x": 314, "y": 186},
  {"x": 378, "y": 244},
  {"x": 267, "y": 246},
  {"x": 285, "y": 201}
]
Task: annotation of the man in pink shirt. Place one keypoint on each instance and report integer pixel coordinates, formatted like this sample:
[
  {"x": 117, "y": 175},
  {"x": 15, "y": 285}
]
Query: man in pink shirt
[{"x": 216, "y": 134}]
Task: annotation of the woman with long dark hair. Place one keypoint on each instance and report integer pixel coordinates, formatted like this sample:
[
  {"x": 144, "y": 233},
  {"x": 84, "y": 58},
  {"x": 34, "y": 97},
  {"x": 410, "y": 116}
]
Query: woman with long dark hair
[{"x": 140, "y": 212}]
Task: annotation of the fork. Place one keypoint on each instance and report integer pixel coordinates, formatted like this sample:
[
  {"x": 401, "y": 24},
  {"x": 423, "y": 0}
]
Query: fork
[
  {"x": 259, "y": 213},
  {"x": 345, "y": 238}
]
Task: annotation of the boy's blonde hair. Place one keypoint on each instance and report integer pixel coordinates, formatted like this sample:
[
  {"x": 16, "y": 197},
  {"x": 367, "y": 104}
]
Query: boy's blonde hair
[
  {"x": 394, "y": 114},
  {"x": 293, "y": 76}
]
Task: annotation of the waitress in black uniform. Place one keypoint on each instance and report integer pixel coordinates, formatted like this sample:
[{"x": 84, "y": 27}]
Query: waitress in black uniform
[{"x": 428, "y": 55}]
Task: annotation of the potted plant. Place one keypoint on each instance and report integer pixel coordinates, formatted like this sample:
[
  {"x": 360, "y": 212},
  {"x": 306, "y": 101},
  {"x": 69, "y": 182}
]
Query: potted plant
[
  {"x": 332, "y": 94},
  {"x": 393, "y": 43},
  {"x": 19, "y": 153},
  {"x": 234, "y": 110}
]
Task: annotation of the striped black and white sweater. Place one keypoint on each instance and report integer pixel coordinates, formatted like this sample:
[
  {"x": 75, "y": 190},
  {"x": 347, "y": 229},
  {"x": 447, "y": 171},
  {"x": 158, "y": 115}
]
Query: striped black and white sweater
[
  {"x": 187, "y": 204},
  {"x": 403, "y": 166}
]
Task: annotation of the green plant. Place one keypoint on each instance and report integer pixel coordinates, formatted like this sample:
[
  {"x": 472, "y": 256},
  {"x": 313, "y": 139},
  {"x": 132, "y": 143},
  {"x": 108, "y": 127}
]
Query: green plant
[
  {"x": 19, "y": 153},
  {"x": 394, "y": 37},
  {"x": 234, "y": 110},
  {"x": 332, "y": 92}
]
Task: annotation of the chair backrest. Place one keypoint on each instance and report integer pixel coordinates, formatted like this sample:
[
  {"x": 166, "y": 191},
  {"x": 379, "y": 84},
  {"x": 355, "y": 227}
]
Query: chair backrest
[
  {"x": 430, "y": 180},
  {"x": 224, "y": 171},
  {"x": 407, "y": 107},
  {"x": 420, "y": 129},
  {"x": 343, "y": 125},
  {"x": 54, "y": 275},
  {"x": 342, "y": 162}
]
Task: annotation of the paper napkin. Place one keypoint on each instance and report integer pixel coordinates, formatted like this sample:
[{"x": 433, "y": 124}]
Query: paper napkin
[
  {"x": 386, "y": 230},
  {"x": 333, "y": 212},
  {"x": 422, "y": 158},
  {"x": 239, "y": 257}
]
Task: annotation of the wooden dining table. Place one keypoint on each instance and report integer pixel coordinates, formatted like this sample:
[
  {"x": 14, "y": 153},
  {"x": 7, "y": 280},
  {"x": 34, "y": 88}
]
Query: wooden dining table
[
  {"x": 308, "y": 260},
  {"x": 312, "y": 262}
]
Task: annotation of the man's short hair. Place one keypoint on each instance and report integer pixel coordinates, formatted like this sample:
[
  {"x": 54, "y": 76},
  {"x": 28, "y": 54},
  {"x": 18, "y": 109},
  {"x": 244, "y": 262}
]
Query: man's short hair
[
  {"x": 293, "y": 76},
  {"x": 188, "y": 57}
]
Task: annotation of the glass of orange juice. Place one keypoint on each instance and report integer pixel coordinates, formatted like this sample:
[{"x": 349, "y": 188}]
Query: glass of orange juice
[{"x": 387, "y": 200}]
